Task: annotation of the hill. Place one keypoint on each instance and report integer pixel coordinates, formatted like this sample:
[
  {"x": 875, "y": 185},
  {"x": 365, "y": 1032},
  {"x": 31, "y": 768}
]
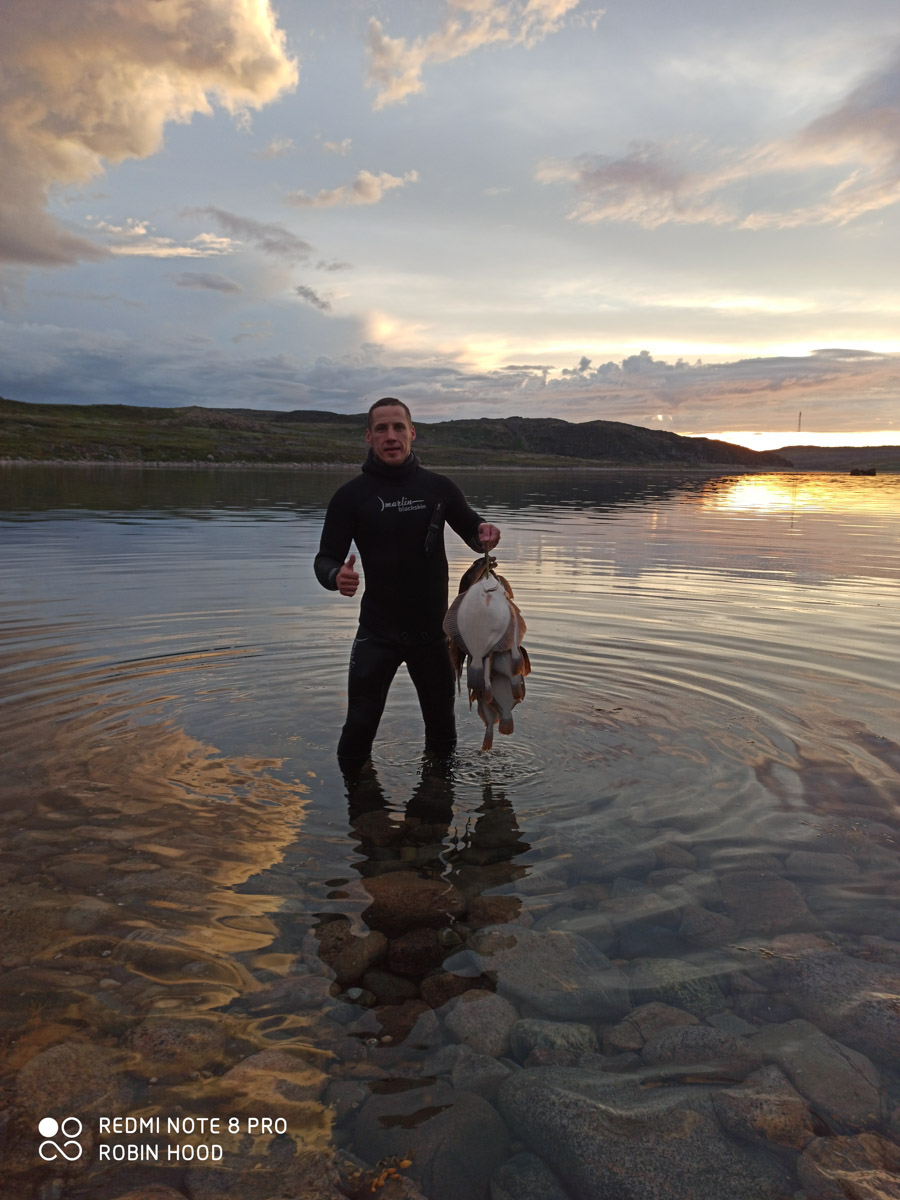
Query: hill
[
  {"x": 126, "y": 433},
  {"x": 843, "y": 458}
]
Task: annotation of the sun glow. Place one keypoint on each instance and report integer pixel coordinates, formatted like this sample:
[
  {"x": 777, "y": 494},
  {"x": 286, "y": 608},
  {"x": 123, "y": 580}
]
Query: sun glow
[
  {"x": 774, "y": 441},
  {"x": 795, "y": 494}
]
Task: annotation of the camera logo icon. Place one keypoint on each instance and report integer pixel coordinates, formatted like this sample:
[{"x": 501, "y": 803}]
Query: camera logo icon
[{"x": 69, "y": 1128}]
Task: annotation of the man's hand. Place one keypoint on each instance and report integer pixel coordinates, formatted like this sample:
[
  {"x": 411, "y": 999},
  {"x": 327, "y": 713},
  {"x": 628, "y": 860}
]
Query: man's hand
[
  {"x": 488, "y": 535},
  {"x": 347, "y": 579}
]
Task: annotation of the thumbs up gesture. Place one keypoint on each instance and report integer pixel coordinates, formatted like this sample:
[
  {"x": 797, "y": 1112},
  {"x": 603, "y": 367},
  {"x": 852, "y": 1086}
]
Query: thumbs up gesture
[{"x": 347, "y": 579}]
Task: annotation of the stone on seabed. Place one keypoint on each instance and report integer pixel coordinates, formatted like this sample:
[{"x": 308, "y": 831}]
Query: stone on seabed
[
  {"x": 74, "y": 1077},
  {"x": 855, "y": 1001},
  {"x": 482, "y": 1020},
  {"x": 867, "y": 1167},
  {"x": 609, "y": 1136},
  {"x": 839, "y": 1082},
  {"x": 765, "y": 1108},
  {"x": 561, "y": 974},
  {"x": 532, "y": 1034},
  {"x": 526, "y": 1177},
  {"x": 675, "y": 982},
  {"x": 456, "y": 1139}
]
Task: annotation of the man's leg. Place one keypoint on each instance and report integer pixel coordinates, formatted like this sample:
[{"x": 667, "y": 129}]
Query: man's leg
[
  {"x": 435, "y": 683},
  {"x": 373, "y": 665}
]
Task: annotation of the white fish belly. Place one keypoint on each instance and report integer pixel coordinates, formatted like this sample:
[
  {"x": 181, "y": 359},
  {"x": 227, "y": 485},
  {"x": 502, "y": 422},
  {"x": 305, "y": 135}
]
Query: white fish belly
[{"x": 483, "y": 619}]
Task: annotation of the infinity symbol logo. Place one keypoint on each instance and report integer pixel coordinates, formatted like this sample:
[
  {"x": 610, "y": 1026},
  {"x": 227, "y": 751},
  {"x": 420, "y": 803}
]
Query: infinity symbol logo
[{"x": 69, "y": 1127}]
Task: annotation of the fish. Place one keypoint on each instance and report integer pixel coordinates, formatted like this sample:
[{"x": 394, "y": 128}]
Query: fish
[{"x": 484, "y": 629}]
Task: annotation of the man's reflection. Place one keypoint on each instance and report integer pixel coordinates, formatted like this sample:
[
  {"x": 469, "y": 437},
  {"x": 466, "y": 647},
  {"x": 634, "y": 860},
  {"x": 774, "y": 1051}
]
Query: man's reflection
[{"x": 427, "y": 880}]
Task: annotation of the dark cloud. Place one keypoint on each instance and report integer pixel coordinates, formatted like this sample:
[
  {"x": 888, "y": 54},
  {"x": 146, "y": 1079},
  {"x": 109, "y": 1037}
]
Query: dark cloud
[
  {"x": 312, "y": 297},
  {"x": 47, "y": 363},
  {"x": 206, "y": 281},
  {"x": 269, "y": 238},
  {"x": 333, "y": 265},
  {"x": 583, "y": 366}
]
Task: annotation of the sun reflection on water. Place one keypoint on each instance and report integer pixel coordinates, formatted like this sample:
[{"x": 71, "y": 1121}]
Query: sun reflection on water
[{"x": 791, "y": 493}]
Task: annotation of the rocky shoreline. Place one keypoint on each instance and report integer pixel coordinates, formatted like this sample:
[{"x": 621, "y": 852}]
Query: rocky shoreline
[{"x": 648, "y": 1016}]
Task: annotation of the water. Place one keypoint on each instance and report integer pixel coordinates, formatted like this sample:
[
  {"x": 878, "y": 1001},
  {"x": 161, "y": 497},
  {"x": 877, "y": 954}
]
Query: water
[{"x": 704, "y": 772}]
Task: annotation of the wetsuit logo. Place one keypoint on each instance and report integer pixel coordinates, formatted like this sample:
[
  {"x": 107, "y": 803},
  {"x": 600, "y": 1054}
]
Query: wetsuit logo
[
  {"x": 70, "y": 1128},
  {"x": 403, "y": 505}
]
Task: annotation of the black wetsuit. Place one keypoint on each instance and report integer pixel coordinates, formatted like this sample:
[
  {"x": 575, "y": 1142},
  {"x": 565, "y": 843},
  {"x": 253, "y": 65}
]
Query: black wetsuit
[{"x": 396, "y": 516}]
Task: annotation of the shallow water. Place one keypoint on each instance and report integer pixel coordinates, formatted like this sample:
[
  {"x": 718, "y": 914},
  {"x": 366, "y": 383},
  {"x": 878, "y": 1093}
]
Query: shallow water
[{"x": 715, "y": 692}]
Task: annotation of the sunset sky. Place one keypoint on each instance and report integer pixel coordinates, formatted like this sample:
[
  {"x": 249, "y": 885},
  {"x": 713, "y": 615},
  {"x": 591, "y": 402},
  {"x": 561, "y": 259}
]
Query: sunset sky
[{"x": 683, "y": 216}]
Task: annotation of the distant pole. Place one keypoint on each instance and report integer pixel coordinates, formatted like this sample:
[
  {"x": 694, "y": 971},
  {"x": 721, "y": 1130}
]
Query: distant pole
[{"x": 799, "y": 419}]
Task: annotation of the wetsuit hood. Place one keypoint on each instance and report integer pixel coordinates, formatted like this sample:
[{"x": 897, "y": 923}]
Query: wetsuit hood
[{"x": 403, "y": 471}]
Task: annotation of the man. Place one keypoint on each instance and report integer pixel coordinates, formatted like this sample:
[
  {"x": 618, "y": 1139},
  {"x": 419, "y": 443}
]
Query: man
[{"x": 395, "y": 513}]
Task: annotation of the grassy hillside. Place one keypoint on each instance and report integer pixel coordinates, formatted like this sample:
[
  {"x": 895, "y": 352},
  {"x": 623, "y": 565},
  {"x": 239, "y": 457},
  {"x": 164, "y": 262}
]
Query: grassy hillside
[{"x": 125, "y": 433}]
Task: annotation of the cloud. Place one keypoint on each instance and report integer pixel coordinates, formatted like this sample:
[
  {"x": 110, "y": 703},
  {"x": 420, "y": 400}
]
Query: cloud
[
  {"x": 49, "y": 363},
  {"x": 847, "y": 161},
  {"x": 271, "y": 239},
  {"x": 583, "y": 367},
  {"x": 342, "y": 147},
  {"x": 90, "y": 84},
  {"x": 366, "y": 188},
  {"x": 133, "y": 239},
  {"x": 277, "y": 148},
  {"x": 207, "y": 281},
  {"x": 336, "y": 264},
  {"x": 645, "y": 187},
  {"x": 396, "y": 65},
  {"x": 312, "y": 297}
]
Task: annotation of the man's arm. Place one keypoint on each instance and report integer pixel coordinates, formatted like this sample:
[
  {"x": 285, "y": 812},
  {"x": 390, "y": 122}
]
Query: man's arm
[{"x": 332, "y": 571}]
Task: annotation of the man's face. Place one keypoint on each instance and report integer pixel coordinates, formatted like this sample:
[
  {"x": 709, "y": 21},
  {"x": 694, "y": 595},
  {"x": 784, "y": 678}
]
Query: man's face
[{"x": 391, "y": 435}]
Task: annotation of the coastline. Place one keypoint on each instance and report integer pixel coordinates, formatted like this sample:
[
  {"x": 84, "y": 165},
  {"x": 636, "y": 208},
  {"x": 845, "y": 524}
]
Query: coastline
[{"x": 200, "y": 465}]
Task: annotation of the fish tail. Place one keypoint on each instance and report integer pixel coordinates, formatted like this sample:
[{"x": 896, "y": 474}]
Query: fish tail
[{"x": 506, "y": 725}]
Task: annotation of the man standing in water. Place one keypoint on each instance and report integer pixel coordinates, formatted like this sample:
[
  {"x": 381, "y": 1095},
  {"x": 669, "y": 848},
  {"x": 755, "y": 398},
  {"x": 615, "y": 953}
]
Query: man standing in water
[{"x": 395, "y": 513}]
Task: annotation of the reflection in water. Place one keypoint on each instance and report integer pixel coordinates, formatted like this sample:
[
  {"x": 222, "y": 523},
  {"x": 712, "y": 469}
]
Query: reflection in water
[
  {"x": 790, "y": 493},
  {"x": 423, "y": 880},
  {"x": 669, "y": 908}
]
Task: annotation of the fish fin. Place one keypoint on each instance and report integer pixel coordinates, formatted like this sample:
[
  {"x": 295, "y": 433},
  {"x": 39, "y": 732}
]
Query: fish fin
[
  {"x": 489, "y": 717},
  {"x": 457, "y": 658},
  {"x": 506, "y": 725},
  {"x": 526, "y": 662},
  {"x": 506, "y": 587},
  {"x": 488, "y": 742},
  {"x": 518, "y": 689},
  {"x": 487, "y": 684},
  {"x": 471, "y": 576},
  {"x": 451, "y": 622},
  {"x": 507, "y": 639},
  {"x": 501, "y": 663},
  {"x": 475, "y": 677},
  {"x": 520, "y": 621}
]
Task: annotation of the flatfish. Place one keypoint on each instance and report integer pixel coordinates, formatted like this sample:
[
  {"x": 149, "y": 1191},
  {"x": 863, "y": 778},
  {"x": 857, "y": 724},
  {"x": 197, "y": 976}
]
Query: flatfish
[{"x": 484, "y": 628}]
